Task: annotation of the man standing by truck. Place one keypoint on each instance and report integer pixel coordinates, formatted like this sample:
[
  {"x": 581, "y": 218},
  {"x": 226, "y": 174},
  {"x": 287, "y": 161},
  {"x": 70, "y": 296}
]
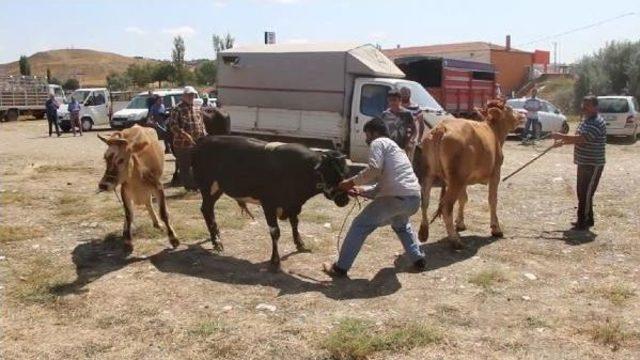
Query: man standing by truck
[
  {"x": 186, "y": 127},
  {"x": 400, "y": 123},
  {"x": 74, "y": 115},
  {"x": 532, "y": 105},
  {"x": 51, "y": 107}
]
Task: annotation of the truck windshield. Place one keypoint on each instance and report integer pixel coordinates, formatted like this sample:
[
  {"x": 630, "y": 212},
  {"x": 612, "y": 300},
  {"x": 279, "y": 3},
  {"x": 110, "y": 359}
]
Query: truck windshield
[
  {"x": 138, "y": 102},
  {"x": 420, "y": 96},
  {"x": 81, "y": 95}
]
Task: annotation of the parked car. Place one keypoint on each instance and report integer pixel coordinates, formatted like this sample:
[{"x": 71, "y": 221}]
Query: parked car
[
  {"x": 136, "y": 110},
  {"x": 95, "y": 109},
  {"x": 621, "y": 115},
  {"x": 550, "y": 119}
]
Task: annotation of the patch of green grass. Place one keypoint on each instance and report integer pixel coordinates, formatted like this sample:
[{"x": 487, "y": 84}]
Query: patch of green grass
[
  {"x": 487, "y": 278},
  {"x": 610, "y": 333},
  {"x": 208, "y": 328},
  {"x": 618, "y": 294},
  {"x": 10, "y": 233},
  {"x": 535, "y": 322},
  {"x": 35, "y": 283},
  {"x": 359, "y": 339}
]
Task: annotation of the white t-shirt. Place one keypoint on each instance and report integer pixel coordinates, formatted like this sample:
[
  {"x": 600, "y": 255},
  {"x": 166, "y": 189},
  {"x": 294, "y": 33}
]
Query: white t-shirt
[
  {"x": 532, "y": 105},
  {"x": 390, "y": 168}
]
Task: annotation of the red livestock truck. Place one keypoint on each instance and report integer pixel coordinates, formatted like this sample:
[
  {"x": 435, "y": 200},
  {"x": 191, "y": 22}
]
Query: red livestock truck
[{"x": 458, "y": 85}]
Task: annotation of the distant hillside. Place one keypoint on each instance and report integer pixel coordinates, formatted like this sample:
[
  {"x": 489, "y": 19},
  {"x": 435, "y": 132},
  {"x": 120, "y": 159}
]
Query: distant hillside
[{"x": 90, "y": 67}]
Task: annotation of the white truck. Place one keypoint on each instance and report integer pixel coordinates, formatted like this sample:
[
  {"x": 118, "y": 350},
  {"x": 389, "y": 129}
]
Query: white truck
[
  {"x": 95, "y": 109},
  {"x": 321, "y": 95},
  {"x": 26, "y": 95}
]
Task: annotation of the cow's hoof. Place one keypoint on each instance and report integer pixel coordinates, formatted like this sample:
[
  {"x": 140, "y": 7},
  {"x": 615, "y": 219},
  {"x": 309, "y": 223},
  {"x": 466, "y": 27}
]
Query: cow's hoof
[
  {"x": 461, "y": 227},
  {"x": 303, "y": 249},
  {"x": 423, "y": 234},
  {"x": 127, "y": 248},
  {"x": 217, "y": 246},
  {"x": 174, "y": 242},
  {"x": 157, "y": 226},
  {"x": 457, "y": 245},
  {"x": 498, "y": 234}
]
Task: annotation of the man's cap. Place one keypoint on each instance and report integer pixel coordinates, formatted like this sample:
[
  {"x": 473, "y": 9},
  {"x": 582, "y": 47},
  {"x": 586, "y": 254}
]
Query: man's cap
[{"x": 189, "y": 90}]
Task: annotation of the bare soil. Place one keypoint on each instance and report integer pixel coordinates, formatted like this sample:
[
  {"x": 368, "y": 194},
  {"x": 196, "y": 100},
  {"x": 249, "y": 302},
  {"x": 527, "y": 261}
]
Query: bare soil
[{"x": 69, "y": 292}]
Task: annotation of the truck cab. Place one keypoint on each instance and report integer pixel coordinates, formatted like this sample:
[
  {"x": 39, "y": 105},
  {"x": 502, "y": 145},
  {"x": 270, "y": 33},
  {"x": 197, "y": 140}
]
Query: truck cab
[
  {"x": 95, "y": 109},
  {"x": 370, "y": 100}
]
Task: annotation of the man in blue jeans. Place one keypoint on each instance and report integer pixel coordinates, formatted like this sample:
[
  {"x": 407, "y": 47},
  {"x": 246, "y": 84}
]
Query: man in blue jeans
[{"x": 396, "y": 197}]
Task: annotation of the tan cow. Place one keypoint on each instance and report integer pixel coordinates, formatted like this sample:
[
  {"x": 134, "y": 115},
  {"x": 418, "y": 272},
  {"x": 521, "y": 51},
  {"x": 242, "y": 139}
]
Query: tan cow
[
  {"x": 461, "y": 152},
  {"x": 135, "y": 161}
]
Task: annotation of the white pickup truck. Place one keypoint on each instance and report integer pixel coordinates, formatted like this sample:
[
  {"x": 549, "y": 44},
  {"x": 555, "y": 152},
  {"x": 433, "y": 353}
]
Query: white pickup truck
[
  {"x": 95, "y": 109},
  {"x": 321, "y": 95}
]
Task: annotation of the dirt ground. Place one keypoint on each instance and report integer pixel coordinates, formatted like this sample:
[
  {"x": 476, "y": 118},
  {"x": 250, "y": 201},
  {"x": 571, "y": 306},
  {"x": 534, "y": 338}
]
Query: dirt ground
[{"x": 69, "y": 292}]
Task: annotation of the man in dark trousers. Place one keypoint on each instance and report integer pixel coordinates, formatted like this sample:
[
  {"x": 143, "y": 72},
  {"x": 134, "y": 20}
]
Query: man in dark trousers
[
  {"x": 52, "y": 114},
  {"x": 589, "y": 154}
]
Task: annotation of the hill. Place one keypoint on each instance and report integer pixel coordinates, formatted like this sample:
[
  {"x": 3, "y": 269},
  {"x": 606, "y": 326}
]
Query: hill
[{"x": 90, "y": 67}]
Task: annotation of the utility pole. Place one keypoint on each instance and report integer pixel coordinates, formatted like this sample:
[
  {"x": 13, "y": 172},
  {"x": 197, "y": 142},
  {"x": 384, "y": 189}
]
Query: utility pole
[{"x": 555, "y": 56}]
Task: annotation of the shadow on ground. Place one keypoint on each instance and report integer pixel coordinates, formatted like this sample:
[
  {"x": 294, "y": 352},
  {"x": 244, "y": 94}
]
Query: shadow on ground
[{"x": 97, "y": 258}]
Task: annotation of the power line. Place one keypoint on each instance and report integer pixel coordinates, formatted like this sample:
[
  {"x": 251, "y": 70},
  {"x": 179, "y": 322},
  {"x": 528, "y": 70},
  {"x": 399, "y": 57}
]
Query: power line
[{"x": 578, "y": 29}]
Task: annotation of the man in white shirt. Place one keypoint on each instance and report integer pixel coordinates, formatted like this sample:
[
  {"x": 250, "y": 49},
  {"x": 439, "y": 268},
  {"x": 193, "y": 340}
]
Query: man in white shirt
[
  {"x": 396, "y": 197},
  {"x": 532, "y": 105}
]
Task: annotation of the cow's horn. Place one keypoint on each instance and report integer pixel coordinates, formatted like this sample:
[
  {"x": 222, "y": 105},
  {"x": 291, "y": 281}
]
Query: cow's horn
[{"x": 104, "y": 139}]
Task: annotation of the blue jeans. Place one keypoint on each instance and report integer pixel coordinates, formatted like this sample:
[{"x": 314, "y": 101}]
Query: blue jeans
[
  {"x": 391, "y": 210},
  {"x": 529, "y": 129}
]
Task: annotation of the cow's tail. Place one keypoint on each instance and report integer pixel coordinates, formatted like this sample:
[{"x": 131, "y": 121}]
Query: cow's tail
[{"x": 436, "y": 163}]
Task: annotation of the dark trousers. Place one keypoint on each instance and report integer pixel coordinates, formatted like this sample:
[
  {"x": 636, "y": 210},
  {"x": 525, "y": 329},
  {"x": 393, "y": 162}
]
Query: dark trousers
[
  {"x": 53, "y": 120},
  {"x": 588, "y": 179},
  {"x": 183, "y": 163}
]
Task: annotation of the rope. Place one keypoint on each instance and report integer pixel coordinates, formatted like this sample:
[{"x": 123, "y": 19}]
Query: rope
[
  {"x": 529, "y": 162},
  {"x": 344, "y": 222}
]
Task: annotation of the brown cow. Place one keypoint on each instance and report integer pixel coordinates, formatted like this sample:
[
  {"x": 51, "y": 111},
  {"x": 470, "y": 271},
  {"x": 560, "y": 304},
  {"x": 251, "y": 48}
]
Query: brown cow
[
  {"x": 461, "y": 152},
  {"x": 135, "y": 161}
]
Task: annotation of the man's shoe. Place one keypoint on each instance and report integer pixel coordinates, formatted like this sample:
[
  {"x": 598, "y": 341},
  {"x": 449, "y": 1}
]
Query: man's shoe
[
  {"x": 420, "y": 264},
  {"x": 333, "y": 270}
]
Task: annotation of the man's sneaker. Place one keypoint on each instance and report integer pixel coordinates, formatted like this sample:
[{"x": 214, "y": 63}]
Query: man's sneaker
[
  {"x": 420, "y": 264},
  {"x": 333, "y": 270}
]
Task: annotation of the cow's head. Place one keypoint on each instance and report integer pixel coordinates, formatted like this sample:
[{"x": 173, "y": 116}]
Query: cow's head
[
  {"x": 118, "y": 160},
  {"x": 501, "y": 117},
  {"x": 332, "y": 169}
]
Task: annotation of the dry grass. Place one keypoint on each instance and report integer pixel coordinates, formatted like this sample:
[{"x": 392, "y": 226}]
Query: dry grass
[
  {"x": 359, "y": 339},
  {"x": 618, "y": 294},
  {"x": 37, "y": 280},
  {"x": 611, "y": 333},
  {"x": 488, "y": 278},
  {"x": 57, "y": 168},
  {"x": 17, "y": 198},
  {"x": 10, "y": 233}
]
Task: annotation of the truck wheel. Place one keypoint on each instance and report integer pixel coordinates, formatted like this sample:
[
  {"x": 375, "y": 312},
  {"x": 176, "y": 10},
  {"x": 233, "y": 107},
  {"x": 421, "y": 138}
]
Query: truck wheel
[
  {"x": 565, "y": 128},
  {"x": 12, "y": 115},
  {"x": 87, "y": 124}
]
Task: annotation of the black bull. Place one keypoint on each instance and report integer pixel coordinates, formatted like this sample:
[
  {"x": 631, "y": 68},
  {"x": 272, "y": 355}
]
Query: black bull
[{"x": 281, "y": 178}]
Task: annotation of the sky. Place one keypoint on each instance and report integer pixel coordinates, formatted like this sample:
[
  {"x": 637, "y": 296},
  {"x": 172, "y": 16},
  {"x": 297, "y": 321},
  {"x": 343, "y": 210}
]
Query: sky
[{"x": 146, "y": 28}]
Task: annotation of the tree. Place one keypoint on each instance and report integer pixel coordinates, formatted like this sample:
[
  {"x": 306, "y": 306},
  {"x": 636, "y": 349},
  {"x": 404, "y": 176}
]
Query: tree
[
  {"x": 206, "y": 72},
  {"x": 140, "y": 74},
  {"x": 163, "y": 71},
  {"x": 222, "y": 42},
  {"x": 118, "y": 82},
  {"x": 48, "y": 75},
  {"x": 71, "y": 84},
  {"x": 177, "y": 56},
  {"x": 25, "y": 67},
  {"x": 614, "y": 69}
]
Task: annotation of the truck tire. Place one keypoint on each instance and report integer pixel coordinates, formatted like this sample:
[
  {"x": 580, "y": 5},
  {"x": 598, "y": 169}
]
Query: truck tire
[
  {"x": 12, "y": 115},
  {"x": 39, "y": 115},
  {"x": 86, "y": 124}
]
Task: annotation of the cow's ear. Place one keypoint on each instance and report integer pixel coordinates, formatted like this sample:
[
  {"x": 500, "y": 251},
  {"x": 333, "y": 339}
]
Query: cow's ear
[
  {"x": 495, "y": 115},
  {"x": 139, "y": 146}
]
